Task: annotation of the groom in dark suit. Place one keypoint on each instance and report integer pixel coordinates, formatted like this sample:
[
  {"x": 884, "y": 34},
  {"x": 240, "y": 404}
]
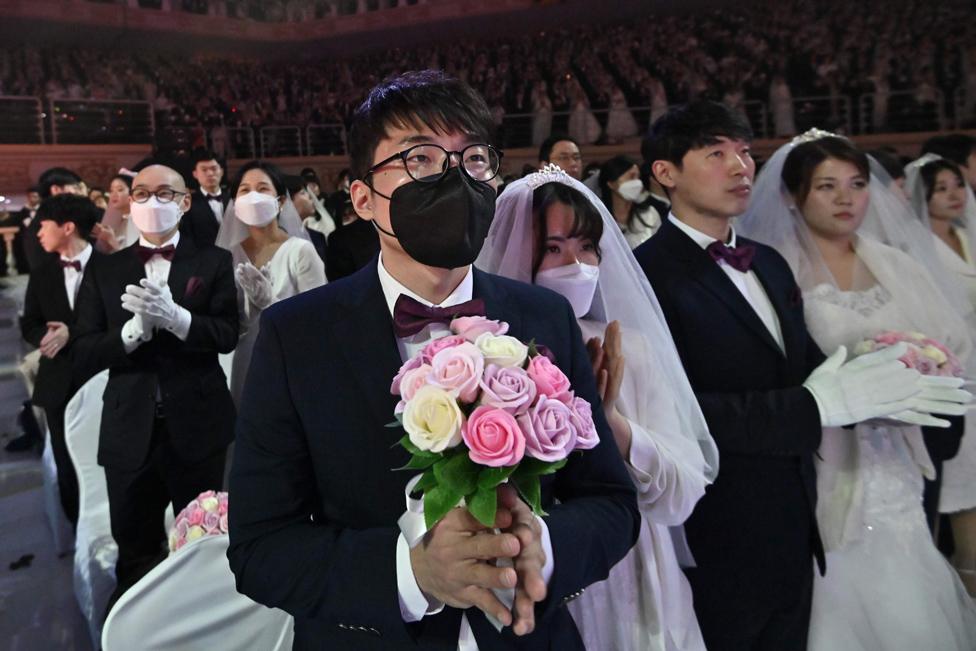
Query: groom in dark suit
[
  {"x": 316, "y": 499},
  {"x": 736, "y": 315},
  {"x": 157, "y": 314}
]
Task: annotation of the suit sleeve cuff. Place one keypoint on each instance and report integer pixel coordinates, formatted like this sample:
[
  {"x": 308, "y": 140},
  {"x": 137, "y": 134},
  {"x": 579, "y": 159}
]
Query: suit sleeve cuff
[
  {"x": 550, "y": 564},
  {"x": 414, "y": 605}
]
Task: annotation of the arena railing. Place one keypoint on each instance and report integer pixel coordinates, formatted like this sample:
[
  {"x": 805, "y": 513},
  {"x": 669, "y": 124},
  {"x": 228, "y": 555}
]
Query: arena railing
[
  {"x": 280, "y": 141},
  {"x": 902, "y": 111},
  {"x": 21, "y": 120},
  {"x": 325, "y": 139},
  {"x": 90, "y": 121}
]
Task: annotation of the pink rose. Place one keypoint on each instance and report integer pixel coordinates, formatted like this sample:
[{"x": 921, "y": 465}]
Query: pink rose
[
  {"x": 549, "y": 431},
  {"x": 582, "y": 413},
  {"x": 211, "y": 521},
  {"x": 413, "y": 380},
  {"x": 437, "y": 345},
  {"x": 223, "y": 523},
  {"x": 458, "y": 370},
  {"x": 471, "y": 327},
  {"x": 888, "y": 338},
  {"x": 493, "y": 437},
  {"x": 181, "y": 528},
  {"x": 206, "y": 494},
  {"x": 509, "y": 388},
  {"x": 549, "y": 380},
  {"x": 222, "y": 505},
  {"x": 409, "y": 365},
  {"x": 195, "y": 516}
]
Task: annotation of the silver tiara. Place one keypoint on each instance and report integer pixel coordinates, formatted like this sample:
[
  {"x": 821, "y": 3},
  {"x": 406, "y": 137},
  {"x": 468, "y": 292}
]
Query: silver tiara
[
  {"x": 551, "y": 173},
  {"x": 814, "y": 134}
]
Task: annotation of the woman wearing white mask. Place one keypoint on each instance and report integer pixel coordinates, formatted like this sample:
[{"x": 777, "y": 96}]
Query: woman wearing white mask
[
  {"x": 273, "y": 257},
  {"x": 549, "y": 229},
  {"x": 864, "y": 265},
  {"x": 626, "y": 198}
]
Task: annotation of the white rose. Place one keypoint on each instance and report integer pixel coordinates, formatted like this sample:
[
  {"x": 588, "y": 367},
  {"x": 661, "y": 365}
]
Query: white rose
[
  {"x": 209, "y": 504},
  {"x": 502, "y": 350},
  {"x": 433, "y": 419},
  {"x": 935, "y": 355},
  {"x": 193, "y": 533}
]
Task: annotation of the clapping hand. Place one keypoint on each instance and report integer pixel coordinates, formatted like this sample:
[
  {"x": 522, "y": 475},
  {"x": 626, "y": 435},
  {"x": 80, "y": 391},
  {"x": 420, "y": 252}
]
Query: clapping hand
[
  {"x": 607, "y": 360},
  {"x": 153, "y": 302},
  {"x": 55, "y": 339},
  {"x": 256, "y": 284},
  {"x": 531, "y": 586}
]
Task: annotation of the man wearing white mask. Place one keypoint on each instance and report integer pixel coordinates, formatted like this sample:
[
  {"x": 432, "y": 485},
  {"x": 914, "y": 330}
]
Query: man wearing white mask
[{"x": 157, "y": 314}]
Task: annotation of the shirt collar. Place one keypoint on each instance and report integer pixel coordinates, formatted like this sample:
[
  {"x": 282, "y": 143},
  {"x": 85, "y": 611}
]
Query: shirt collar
[
  {"x": 175, "y": 240},
  {"x": 701, "y": 239},
  {"x": 211, "y": 197},
  {"x": 82, "y": 257},
  {"x": 392, "y": 288}
]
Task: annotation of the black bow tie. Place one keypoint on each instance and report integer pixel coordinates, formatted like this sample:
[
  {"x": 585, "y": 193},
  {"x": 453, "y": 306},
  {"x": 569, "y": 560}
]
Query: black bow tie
[
  {"x": 739, "y": 257},
  {"x": 212, "y": 197},
  {"x": 70, "y": 263},
  {"x": 146, "y": 253}
]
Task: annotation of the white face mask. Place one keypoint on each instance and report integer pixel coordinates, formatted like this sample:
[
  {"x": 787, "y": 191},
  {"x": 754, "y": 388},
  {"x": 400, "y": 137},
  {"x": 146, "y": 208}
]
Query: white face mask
[
  {"x": 256, "y": 208},
  {"x": 631, "y": 190},
  {"x": 153, "y": 217},
  {"x": 577, "y": 282}
]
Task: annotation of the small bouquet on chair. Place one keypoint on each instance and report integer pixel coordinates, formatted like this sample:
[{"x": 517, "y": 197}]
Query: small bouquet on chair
[
  {"x": 925, "y": 355},
  {"x": 481, "y": 408},
  {"x": 204, "y": 516}
]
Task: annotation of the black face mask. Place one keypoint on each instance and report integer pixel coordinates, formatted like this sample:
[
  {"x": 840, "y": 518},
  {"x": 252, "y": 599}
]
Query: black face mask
[{"x": 442, "y": 224}]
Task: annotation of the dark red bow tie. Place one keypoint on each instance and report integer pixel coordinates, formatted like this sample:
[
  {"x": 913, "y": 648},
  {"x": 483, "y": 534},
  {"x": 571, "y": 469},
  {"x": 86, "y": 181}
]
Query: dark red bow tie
[
  {"x": 146, "y": 253},
  {"x": 739, "y": 257},
  {"x": 411, "y": 316},
  {"x": 70, "y": 263}
]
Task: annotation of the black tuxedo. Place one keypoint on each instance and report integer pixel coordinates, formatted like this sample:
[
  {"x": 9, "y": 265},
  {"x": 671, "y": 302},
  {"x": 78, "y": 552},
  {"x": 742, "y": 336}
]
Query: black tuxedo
[
  {"x": 47, "y": 300},
  {"x": 316, "y": 499},
  {"x": 351, "y": 247},
  {"x": 34, "y": 253},
  {"x": 754, "y": 532},
  {"x": 200, "y": 222},
  {"x": 167, "y": 414}
]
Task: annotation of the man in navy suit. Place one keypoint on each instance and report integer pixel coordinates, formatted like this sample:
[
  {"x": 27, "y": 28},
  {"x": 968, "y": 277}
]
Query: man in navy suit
[
  {"x": 736, "y": 315},
  {"x": 315, "y": 500}
]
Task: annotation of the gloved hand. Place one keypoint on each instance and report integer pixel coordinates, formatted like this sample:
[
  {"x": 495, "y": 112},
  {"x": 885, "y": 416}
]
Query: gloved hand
[
  {"x": 255, "y": 283},
  {"x": 154, "y": 301},
  {"x": 870, "y": 386},
  {"x": 938, "y": 395}
]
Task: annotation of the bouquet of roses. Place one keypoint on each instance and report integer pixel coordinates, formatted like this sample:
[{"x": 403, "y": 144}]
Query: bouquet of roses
[
  {"x": 925, "y": 355},
  {"x": 480, "y": 408},
  {"x": 204, "y": 516}
]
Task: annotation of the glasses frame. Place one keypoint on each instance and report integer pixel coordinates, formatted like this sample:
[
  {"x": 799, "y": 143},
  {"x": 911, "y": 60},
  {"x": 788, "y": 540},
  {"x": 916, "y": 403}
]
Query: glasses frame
[
  {"x": 402, "y": 155},
  {"x": 176, "y": 193}
]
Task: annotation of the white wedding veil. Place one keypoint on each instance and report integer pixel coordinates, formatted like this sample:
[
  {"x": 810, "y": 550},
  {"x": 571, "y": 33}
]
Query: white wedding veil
[
  {"x": 233, "y": 231},
  {"x": 623, "y": 294},
  {"x": 916, "y": 192}
]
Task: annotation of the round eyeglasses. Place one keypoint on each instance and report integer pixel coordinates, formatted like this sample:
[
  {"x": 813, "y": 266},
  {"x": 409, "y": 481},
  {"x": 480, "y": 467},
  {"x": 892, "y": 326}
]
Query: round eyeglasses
[
  {"x": 164, "y": 195},
  {"x": 428, "y": 163}
]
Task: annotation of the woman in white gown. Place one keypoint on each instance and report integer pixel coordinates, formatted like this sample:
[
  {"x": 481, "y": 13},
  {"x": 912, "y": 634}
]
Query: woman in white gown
[
  {"x": 551, "y": 230},
  {"x": 273, "y": 258},
  {"x": 620, "y": 121},
  {"x": 887, "y": 586},
  {"x": 942, "y": 200},
  {"x": 116, "y": 231}
]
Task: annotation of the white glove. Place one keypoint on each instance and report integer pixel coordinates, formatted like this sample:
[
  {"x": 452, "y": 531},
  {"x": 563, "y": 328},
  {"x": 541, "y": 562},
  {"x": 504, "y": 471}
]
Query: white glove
[
  {"x": 255, "y": 283},
  {"x": 938, "y": 395},
  {"x": 870, "y": 386},
  {"x": 135, "y": 331},
  {"x": 155, "y": 303}
]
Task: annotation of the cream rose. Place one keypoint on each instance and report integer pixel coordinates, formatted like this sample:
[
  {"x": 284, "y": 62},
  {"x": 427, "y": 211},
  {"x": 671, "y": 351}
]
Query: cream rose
[
  {"x": 433, "y": 420},
  {"x": 502, "y": 350}
]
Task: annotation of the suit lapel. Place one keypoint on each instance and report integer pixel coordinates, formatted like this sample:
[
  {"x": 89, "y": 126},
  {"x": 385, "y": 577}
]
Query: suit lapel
[
  {"x": 59, "y": 293},
  {"x": 707, "y": 273},
  {"x": 777, "y": 296},
  {"x": 182, "y": 268}
]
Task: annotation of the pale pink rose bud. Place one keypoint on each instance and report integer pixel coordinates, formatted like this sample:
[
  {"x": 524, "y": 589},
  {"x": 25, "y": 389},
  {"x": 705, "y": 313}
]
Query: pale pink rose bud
[
  {"x": 509, "y": 388},
  {"x": 549, "y": 380},
  {"x": 471, "y": 327},
  {"x": 439, "y": 344},
  {"x": 493, "y": 437},
  {"x": 458, "y": 370}
]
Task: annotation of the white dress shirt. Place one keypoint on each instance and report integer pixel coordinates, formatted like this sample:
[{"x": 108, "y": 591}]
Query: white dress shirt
[
  {"x": 216, "y": 205},
  {"x": 72, "y": 276},
  {"x": 414, "y": 605},
  {"x": 745, "y": 281},
  {"x": 157, "y": 270}
]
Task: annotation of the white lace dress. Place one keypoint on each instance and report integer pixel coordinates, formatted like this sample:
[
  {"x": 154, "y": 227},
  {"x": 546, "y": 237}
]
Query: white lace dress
[
  {"x": 295, "y": 267},
  {"x": 887, "y": 587}
]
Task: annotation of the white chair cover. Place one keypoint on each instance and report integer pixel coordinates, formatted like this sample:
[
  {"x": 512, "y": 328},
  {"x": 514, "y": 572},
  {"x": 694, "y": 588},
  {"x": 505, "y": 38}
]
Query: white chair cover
[
  {"x": 190, "y": 602},
  {"x": 56, "y": 519},
  {"x": 95, "y": 550}
]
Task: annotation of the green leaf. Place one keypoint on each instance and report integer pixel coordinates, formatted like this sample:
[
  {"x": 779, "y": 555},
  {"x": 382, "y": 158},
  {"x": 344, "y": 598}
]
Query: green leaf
[
  {"x": 418, "y": 462},
  {"x": 437, "y": 502},
  {"x": 458, "y": 472},
  {"x": 427, "y": 481},
  {"x": 490, "y": 477},
  {"x": 531, "y": 493},
  {"x": 533, "y": 349},
  {"x": 530, "y": 467},
  {"x": 483, "y": 505},
  {"x": 414, "y": 450}
]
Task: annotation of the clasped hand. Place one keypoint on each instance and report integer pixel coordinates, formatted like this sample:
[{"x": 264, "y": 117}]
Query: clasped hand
[
  {"x": 256, "y": 284},
  {"x": 152, "y": 301},
  {"x": 454, "y": 563},
  {"x": 55, "y": 338}
]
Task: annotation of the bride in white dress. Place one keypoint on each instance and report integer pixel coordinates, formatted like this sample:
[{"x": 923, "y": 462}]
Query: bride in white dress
[
  {"x": 887, "y": 587},
  {"x": 273, "y": 258},
  {"x": 551, "y": 230}
]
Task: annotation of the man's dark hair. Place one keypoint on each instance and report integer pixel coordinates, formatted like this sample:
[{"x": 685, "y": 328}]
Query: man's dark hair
[
  {"x": 59, "y": 176},
  {"x": 33, "y": 188},
  {"x": 545, "y": 149},
  {"x": 420, "y": 99},
  {"x": 801, "y": 162},
  {"x": 692, "y": 126},
  {"x": 64, "y": 208},
  {"x": 202, "y": 156},
  {"x": 956, "y": 147},
  {"x": 890, "y": 161}
]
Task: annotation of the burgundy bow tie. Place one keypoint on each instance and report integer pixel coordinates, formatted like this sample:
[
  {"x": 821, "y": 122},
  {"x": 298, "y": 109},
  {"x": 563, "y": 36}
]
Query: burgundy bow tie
[
  {"x": 739, "y": 257},
  {"x": 70, "y": 263},
  {"x": 146, "y": 253},
  {"x": 411, "y": 316}
]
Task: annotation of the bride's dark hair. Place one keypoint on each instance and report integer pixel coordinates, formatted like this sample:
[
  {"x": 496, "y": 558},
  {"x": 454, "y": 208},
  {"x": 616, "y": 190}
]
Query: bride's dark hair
[
  {"x": 804, "y": 158},
  {"x": 931, "y": 170},
  {"x": 588, "y": 224}
]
